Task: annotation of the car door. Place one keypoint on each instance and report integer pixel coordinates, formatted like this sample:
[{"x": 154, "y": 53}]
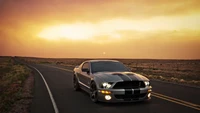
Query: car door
[{"x": 85, "y": 76}]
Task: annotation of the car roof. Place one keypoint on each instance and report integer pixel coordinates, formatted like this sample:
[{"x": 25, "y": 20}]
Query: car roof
[{"x": 102, "y": 60}]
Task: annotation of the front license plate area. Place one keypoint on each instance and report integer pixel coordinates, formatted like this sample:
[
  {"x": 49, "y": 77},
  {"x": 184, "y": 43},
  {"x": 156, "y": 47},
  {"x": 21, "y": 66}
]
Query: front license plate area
[
  {"x": 127, "y": 99},
  {"x": 136, "y": 91}
]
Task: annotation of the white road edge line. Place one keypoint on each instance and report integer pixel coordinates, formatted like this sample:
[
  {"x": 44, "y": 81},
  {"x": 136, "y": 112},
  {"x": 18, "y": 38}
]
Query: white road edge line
[{"x": 49, "y": 91}]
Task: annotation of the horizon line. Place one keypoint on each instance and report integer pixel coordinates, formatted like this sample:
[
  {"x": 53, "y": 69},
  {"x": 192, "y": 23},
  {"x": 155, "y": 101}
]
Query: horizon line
[{"x": 101, "y": 58}]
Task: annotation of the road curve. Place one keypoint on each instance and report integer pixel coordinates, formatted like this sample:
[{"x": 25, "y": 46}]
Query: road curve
[{"x": 68, "y": 101}]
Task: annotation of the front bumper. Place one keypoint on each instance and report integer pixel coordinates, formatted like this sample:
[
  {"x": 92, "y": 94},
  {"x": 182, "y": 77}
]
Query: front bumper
[{"x": 126, "y": 95}]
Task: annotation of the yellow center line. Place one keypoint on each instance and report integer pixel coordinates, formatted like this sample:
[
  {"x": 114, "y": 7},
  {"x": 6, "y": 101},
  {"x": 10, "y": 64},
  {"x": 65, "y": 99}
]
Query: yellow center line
[
  {"x": 176, "y": 102},
  {"x": 161, "y": 96},
  {"x": 59, "y": 68},
  {"x": 176, "y": 99}
]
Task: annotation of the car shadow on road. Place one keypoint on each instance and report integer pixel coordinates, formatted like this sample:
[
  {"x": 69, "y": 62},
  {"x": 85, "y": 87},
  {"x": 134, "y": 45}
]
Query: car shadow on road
[
  {"x": 122, "y": 104},
  {"x": 118, "y": 104}
]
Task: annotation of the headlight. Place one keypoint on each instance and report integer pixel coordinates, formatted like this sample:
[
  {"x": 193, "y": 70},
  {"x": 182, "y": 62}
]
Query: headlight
[
  {"x": 146, "y": 83},
  {"x": 106, "y": 85}
]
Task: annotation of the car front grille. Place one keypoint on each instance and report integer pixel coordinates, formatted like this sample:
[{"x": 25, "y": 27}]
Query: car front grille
[
  {"x": 129, "y": 85},
  {"x": 133, "y": 97}
]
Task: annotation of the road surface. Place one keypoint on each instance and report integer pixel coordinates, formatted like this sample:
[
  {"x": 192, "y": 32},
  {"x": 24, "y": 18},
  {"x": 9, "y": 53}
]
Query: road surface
[{"x": 59, "y": 81}]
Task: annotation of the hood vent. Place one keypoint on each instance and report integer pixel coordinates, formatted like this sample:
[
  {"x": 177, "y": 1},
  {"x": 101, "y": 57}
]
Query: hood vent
[
  {"x": 130, "y": 74},
  {"x": 117, "y": 74}
]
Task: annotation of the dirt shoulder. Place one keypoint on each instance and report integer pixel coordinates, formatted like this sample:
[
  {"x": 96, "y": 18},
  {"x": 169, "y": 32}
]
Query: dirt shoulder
[
  {"x": 23, "y": 104},
  {"x": 16, "y": 84}
]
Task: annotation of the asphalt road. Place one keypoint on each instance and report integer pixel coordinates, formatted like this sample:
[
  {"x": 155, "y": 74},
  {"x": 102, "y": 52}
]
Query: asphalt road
[{"x": 68, "y": 101}]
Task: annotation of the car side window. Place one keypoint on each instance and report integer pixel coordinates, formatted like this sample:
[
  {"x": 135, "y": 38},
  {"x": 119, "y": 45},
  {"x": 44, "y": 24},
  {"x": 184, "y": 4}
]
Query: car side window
[{"x": 86, "y": 66}]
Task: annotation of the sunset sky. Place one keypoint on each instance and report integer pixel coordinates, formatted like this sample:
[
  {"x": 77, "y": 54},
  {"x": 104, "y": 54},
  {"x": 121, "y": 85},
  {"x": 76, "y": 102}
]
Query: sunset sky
[{"x": 155, "y": 29}]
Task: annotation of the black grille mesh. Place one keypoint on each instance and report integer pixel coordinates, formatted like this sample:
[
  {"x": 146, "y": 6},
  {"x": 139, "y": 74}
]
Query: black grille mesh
[{"x": 129, "y": 85}]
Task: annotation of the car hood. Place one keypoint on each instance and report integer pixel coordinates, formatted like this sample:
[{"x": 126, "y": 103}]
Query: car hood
[{"x": 119, "y": 76}]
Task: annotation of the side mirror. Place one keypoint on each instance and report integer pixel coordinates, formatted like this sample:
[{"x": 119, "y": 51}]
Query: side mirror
[{"x": 86, "y": 70}]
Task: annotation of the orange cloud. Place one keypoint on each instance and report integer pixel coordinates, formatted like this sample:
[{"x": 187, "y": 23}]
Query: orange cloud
[
  {"x": 91, "y": 10},
  {"x": 145, "y": 28}
]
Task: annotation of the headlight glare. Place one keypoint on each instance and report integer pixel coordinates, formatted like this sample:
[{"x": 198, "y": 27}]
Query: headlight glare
[
  {"x": 106, "y": 85},
  {"x": 147, "y": 83}
]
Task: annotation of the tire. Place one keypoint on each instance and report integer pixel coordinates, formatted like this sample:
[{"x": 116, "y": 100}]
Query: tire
[
  {"x": 76, "y": 84},
  {"x": 94, "y": 93}
]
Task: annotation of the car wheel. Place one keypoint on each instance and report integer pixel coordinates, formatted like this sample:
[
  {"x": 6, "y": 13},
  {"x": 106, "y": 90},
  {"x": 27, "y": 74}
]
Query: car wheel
[
  {"x": 93, "y": 93},
  {"x": 76, "y": 84}
]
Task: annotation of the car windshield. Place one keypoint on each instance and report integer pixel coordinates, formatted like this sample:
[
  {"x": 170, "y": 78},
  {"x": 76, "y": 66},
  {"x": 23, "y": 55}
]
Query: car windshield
[{"x": 108, "y": 66}]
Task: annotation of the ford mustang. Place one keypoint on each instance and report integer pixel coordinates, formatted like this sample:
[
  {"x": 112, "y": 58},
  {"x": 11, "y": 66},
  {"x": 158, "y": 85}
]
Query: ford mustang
[{"x": 111, "y": 81}]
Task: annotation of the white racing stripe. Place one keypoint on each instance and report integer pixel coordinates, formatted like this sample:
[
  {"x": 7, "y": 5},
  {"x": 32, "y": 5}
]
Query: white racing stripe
[{"x": 49, "y": 91}]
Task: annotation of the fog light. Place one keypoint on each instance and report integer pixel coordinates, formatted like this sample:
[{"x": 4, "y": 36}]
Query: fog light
[
  {"x": 149, "y": 95},
  {"x": 107, "y": 97},
  {"x": 105, "y": 92},
  {"x": 149, "y": 91}
]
